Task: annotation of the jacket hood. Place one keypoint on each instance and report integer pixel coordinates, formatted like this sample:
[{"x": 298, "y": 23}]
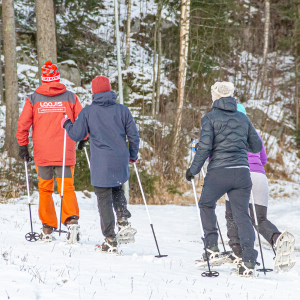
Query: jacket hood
[
  {"x": 51, "y": 89},
  {"x": 105, "y": 99},
  {"x": 226, "y": 103}
]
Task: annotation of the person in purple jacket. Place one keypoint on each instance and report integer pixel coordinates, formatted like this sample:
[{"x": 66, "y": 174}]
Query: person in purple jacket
[{"x": 260, "y": 191}]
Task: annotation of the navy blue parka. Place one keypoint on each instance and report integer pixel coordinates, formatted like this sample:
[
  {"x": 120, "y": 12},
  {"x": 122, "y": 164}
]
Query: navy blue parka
[{"x": 108, "y": 123}]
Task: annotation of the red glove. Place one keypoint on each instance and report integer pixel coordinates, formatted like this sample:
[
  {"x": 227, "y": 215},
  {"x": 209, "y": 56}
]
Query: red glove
[
  {"x": 132, "y": 161},
  {"x": 63, "y": 122}
]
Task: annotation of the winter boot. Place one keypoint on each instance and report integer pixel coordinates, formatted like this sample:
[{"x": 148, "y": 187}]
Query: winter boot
[
  {"x": 110, "y": 246},
  {"x": 215, "y": 258},
  {"x": 46, "y": 234},
  {"x": 246, "y": 269},
  {"x": 126, "y": 233},
  {"x": 73, "y": 230},
  {"x": 285, "y": 257}
]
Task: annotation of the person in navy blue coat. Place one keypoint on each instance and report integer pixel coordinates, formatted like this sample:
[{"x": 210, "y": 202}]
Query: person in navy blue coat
[{"x": 108, "y": 123}]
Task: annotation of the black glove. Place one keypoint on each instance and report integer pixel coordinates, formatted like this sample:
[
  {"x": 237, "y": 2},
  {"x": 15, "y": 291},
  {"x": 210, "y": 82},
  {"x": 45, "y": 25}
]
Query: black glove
[
  {"x": 188, "y": 175},
  {"x": 82, "y": 144},
  {"x": 67, "y": 121},
  {"x": 24, "y": 154}
]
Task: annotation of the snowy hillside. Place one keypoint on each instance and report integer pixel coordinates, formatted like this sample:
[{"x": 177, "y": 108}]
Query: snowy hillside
[{"x": 59, "y": 271}]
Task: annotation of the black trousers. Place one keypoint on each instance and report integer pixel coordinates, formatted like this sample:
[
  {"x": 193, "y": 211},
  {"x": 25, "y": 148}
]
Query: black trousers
[
  {"x": 236, "y": 182},
  {"x": 110, "y": 200},
  {"x": 266, "y": 228}
]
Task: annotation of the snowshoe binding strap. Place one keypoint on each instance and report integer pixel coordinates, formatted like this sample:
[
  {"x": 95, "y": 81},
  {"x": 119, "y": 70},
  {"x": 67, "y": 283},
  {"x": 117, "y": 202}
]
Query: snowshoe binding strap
[
  {"x": 110, "y": 247},
  {"x": 45, "y": 237},
  {"x": 234, "y": 259},
  {"x": 244, "y": 271}
]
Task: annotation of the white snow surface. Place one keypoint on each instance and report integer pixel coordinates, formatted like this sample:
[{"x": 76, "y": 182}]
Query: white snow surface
[{"x": 60, "y": 271}]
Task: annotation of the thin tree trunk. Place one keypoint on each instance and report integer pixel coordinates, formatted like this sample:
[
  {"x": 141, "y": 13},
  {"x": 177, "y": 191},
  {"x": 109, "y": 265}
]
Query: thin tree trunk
[
  {"x": 46, "y": 37},
  {"x": 184, "y": 40},
  {"x": 127, "y": 61},
  {"x": 296, "y": 69},
  {"x": 154, "y": 66},
  {"x": 11, "y": 77},
  {"x": 159, "y": 10},
  {"x": 1, "y": 75},
  {"x": 266, "y": 40}
]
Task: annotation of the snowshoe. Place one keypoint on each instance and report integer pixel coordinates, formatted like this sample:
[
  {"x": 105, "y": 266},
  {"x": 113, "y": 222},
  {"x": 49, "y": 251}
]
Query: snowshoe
[
  {"x": 73, "y": 233},
  {"x": 46, "y": 234},
  {"x": 109, "y": 246},
  {"x": 126, "y": 233},
  {"x": 233, "y": 259},
  {"x": 215, "y": 259},
  {"x": 245, "y": 269},
  {"x": 285, "y": 257}
]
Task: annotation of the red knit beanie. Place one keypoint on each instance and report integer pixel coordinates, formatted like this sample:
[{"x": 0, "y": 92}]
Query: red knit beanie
[
  {"x": 50, "y": 72},
  {"x": 101, "y": 84}
]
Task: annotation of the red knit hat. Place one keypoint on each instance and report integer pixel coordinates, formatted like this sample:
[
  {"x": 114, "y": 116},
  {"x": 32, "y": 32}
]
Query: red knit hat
[
  {"x": 101, "y": 84},
  {"x": 50, "y": 72}
]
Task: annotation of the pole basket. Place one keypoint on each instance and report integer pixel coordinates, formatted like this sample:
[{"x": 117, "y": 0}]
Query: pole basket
[
  {"x": 264, "y": 270},
  {"x": 32, "y": 237},
  {"x": 210, "y": 274}
]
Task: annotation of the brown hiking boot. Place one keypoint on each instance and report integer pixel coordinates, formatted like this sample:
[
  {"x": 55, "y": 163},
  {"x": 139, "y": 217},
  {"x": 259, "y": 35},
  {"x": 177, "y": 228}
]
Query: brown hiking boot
[
  {"x": 71, "y": 220},
  {"x": 46, "y": 233}
]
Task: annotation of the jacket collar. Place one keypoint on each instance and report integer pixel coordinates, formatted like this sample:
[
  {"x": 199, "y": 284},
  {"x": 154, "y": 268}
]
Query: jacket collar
[
  {"x": 225, "y": 103},
  {"x": 105, "y": 99}
]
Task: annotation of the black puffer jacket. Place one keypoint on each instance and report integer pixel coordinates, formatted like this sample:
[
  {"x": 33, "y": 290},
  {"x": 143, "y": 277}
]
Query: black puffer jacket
[{"x": 226, "y": 137}]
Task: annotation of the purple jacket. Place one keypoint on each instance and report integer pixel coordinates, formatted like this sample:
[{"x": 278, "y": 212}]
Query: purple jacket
[{"x": 258, "y": 160}]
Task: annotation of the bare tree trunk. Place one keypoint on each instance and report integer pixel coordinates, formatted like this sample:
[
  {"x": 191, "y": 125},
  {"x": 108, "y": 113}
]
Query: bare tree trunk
[
  {"x": 154, "y": 66},
  {"x": 184, "y": 42},
  {"x": 1, "y": 74},
  {"x": 11, "y": 77},
  {"x": 266, "y": 39},
  {"x": 127, "y": 61},
  {"x": 296, "y": 47},
  {"x": 46, "y": 37},
  {"x": 159, "y": 10}
]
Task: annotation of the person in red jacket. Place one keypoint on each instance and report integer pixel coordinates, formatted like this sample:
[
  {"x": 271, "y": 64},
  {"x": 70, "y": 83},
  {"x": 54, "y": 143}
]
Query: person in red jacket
[{"x": 43, "y": 111}]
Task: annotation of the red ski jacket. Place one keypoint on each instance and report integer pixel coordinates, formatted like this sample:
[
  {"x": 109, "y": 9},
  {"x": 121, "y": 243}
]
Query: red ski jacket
[{"x": 43, "y": 111}]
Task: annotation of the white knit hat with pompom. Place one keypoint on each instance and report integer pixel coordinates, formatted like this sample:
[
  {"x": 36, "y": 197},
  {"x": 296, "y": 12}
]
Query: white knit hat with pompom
[{"x": 222, "y": 89}]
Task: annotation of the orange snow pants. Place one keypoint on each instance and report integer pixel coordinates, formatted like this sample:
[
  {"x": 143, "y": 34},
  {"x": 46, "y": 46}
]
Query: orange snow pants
[{"x": 70, "y": 207}]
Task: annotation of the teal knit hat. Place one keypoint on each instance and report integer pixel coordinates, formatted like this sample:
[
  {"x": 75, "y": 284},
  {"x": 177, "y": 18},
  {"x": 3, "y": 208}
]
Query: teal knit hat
[{"x": 241, "y": 108}]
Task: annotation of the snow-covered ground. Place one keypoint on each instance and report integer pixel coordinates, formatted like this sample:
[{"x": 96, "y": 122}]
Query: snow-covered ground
[{"x": 60, "y": 271}]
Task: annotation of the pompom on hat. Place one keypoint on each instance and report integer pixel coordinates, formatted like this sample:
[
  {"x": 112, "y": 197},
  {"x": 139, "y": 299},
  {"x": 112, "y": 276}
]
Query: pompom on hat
[
  {"x": 100, "y": 84},
  {"x": 50, "y": 72},
  {"x": 222, "y": 89}
]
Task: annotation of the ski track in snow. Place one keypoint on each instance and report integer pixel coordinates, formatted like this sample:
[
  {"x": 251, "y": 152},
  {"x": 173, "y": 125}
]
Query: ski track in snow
[{"x": 59, "y": 271}]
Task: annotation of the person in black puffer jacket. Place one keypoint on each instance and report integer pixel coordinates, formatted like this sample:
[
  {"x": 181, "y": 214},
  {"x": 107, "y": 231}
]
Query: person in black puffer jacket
[{"x": 226, "y": 137}]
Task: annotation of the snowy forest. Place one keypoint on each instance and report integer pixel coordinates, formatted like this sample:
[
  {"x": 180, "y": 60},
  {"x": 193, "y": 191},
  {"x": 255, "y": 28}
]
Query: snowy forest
[
  {"x": 164, "y": 60},
  {"x": 254, "y": 44}
]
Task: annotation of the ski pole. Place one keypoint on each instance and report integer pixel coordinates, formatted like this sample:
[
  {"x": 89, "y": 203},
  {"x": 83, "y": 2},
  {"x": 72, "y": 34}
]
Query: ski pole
[
  {"x": 256, "y": 223},
  {"x": 208, "y": 273},
  {"x": 63, "y": 177},
  {"x": 151, "y": 225},
  {"x": 87, "y": 157},
  {"x": 225, "y": 252},
  {"x": 31, "y": 236}
]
